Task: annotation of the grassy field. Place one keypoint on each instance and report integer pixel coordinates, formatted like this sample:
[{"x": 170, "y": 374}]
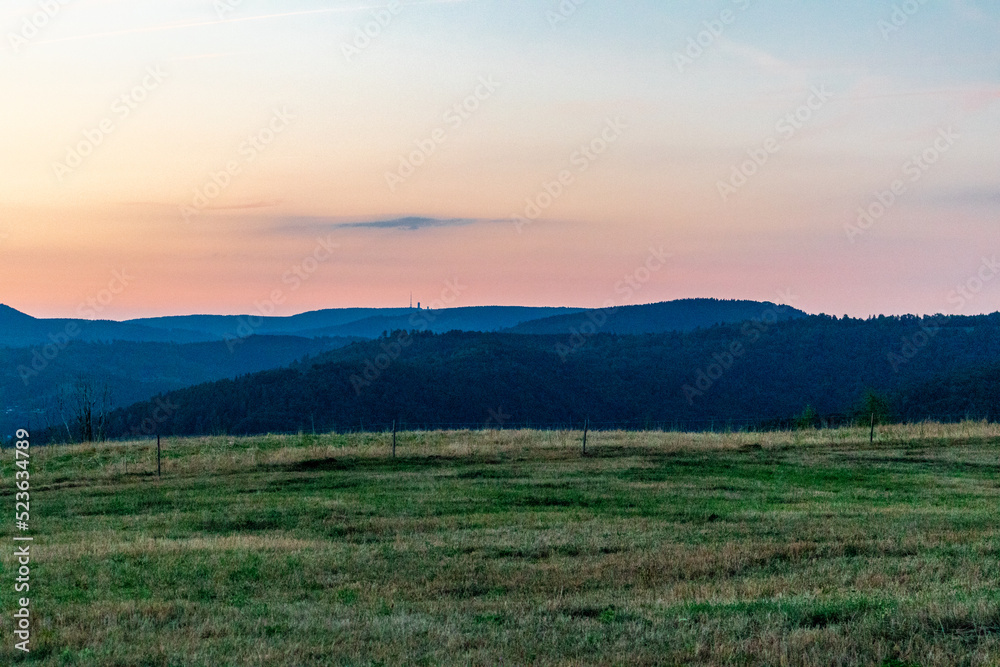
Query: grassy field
[{"x": 805, "y": 548}]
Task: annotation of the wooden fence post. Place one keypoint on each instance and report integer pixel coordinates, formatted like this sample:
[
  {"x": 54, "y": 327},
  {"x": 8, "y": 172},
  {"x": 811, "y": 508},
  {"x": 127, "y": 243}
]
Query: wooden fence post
[
  {"x": 157, "y": 454},
  {"x": 871, "y": 438},
  {"x": 393, "y": 438},
  {"x": 586, "y": 427}
]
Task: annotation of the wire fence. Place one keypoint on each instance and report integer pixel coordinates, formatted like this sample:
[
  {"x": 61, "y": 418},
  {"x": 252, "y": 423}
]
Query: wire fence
[
  {"x": 679, "y": 425},
  {"x": 682, "y": 425}
]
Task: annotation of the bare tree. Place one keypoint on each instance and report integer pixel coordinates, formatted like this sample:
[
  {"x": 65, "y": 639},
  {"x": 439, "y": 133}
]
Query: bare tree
[{"x": 85, "y": 406}]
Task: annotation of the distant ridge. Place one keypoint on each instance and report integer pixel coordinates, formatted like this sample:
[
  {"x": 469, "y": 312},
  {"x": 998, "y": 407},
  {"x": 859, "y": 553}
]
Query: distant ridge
[
  {"x": 680, "y": 315},
  {"x": 9, "y": 315},
  {"x": 18, "y": 329}
]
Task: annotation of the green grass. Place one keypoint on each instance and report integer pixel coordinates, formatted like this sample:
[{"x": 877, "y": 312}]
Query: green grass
[{"x": 806, "y": 548}]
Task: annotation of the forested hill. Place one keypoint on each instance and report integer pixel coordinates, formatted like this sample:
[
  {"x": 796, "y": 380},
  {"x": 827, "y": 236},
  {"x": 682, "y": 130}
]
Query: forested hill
[
  {"x": 34, "y": 381},
  {"x": 20, "y": 330},
  {"x": 680, "y": 315},
  {"x": 759, "y": 369}
]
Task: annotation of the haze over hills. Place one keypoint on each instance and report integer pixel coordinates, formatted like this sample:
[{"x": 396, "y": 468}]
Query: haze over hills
[
  {"x": 229, "y": 326},
  {"x": 18, "y": 329},
  {"x": 476, "y": 318}
]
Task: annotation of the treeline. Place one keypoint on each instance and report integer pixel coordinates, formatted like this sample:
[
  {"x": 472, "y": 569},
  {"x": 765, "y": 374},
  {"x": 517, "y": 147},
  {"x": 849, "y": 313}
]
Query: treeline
[{"x": 758, "y": 371}]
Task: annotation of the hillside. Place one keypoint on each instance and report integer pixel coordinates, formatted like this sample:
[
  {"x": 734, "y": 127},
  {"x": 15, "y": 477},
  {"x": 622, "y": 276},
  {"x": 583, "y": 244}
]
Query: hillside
[
  {"x": 31, "y": 382},
  {"x": 681, "y": 315},
  {"x": 740, "y": 374},
  {"x": 323, "y": 322},
  {"x": 970, "y": 389},
  {"x": 478, "y": 318},
  {"x": 20, "y": 330}
]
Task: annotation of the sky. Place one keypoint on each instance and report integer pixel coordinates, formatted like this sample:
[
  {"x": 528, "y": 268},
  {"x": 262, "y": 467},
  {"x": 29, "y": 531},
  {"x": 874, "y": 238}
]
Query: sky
[{"x": 250, "y": 156}]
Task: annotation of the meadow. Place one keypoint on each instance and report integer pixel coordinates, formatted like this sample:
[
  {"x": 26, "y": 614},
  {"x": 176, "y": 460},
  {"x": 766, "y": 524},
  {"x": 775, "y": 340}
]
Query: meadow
[{"x": 811, "y": 547}]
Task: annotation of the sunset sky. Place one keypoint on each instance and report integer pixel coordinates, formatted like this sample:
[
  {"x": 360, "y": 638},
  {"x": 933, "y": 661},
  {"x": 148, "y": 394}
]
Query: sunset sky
[{"x": 236, "y": 156}]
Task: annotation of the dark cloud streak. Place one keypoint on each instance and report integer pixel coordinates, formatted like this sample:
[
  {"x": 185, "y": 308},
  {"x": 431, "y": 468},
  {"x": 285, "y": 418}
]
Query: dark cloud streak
[{"x": 409, "y": 223}]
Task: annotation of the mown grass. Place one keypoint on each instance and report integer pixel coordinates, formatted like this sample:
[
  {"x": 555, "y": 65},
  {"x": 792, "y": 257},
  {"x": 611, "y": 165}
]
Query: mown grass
[{"x": 486, "y": 548}]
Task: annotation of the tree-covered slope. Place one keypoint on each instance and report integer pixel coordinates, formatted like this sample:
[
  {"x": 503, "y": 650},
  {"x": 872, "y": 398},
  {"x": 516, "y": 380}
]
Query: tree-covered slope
[
  {"x": 32, "y": 380},
  {"x": 681, "y": 315},
  {"x": 757, "y": 370}
]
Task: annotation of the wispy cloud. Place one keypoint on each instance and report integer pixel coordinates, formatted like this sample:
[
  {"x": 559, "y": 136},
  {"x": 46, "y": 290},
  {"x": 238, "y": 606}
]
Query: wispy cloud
[
  {"x": 412, "y": 223},
  {"x": 312, "y": 225}
]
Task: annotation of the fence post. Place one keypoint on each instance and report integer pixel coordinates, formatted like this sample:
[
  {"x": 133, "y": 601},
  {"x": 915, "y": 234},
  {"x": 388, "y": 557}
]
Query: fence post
[
  {"x": 586, "y": 427},
  {"x": 157, "y": 454},
  {"x": 871, "y": 438},
  {"x": 393, "y": 438}
]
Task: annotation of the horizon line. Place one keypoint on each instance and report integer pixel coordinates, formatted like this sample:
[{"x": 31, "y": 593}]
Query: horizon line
[{"x": 467, "y": 307}]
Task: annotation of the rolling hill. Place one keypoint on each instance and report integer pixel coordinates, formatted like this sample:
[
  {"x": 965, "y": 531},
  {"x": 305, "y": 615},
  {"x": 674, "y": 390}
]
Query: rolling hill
[
  {"x": 32, "y": 380},
  {"x": 681, "y": 315},
  {"x": 740, "y": 374},
  {"x": 20, "y": 330}
]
